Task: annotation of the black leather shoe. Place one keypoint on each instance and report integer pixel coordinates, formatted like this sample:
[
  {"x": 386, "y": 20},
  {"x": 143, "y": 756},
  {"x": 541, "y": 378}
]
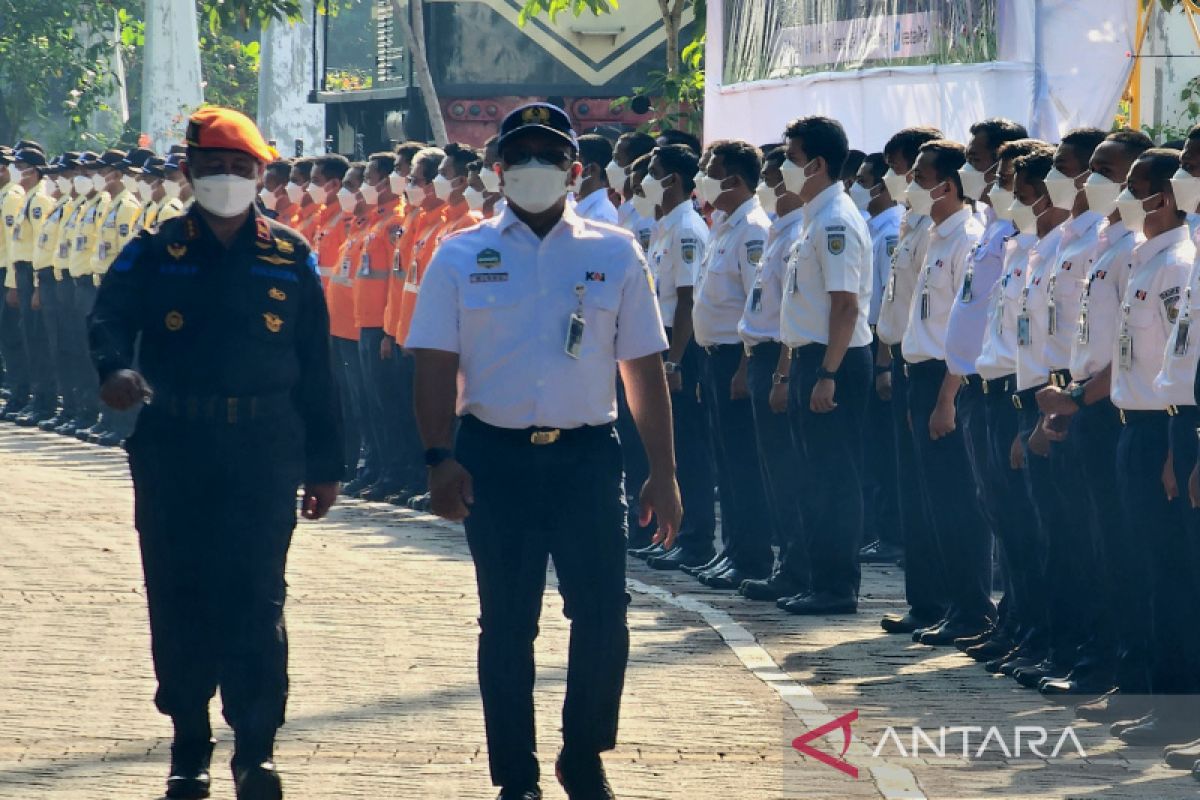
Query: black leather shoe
[
  {"x": 534, "y": 793},
  {"x": 583, "y": 778},
  {"x": 109, "y": 439},
  {"x": 721, "y": 566},
  {"x": 401, "y": 497},
  {"x": 1068, "y": 688},
  {"x": 999, "y": 661},
  {"x": 1120, "y": 726},
  {"x": 1182, "y": 756},
  {"x": 1020, "y": 661},
  {"x": 1113, "y": 706},
  {"x": 946, "y": 634},
  {"x": 48, "y": 425},
  {"x": 678, "y": 557},
  {"x": 259, "y": 782},
  {"x": 970, "y": 641},
  {"x": 821, "y": 604},
  {"x": 35, "y": 416},
  {"x": 772, "y": 588},
  {"x": 880, "y": 552},
  {"x": 694, "y": 571},
  {"x": 189, "y": 778},
  {"x": 1032, "y": 677},
  {"x": 732, "y": 578},
  {"x": 937, "y": 626},
  {"x": 904, "y": 623},
  {"x": 648, "y": 551},
  {"x": 1162, "y": 730},
  {"x": 380, "y": 491},
  {"x": 993, "y": 648}
]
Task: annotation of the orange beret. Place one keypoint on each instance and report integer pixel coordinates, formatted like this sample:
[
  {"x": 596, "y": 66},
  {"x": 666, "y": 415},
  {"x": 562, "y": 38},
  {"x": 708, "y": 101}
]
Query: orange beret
[{"x": 215, "y": 128}]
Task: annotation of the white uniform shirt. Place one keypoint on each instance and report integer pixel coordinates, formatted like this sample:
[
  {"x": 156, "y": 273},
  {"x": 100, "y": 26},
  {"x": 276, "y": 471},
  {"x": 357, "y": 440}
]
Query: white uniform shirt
[
  {"x": 1034, "y": 303},
  {"x": 1103, "y": 294},
  {"x": 897, "y": 298},
  {"x": 641, "y": 227},
  {"x": 938, "y": 283},
  {"x": 502, "y": 299},
  {"x": 833, "y": 254},
  {"x": 885, "y": 237},
  {"x": 1176, "y": 380},
  {"x": 969, "y": 316},
  {"x": 678, "y": 247},
  {"x": 998, "y": 358},
  {"x": 1068, "y": 278},
  {"x": 760, "y": 318},
  {"x": 726, "y": 275},
  {"x": 1156, "y": 282},
  {"x": 597, "y": 207}
]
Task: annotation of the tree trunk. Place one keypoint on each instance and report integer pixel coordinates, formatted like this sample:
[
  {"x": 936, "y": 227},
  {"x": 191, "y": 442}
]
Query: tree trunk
[{"x": 414, "y": 37}]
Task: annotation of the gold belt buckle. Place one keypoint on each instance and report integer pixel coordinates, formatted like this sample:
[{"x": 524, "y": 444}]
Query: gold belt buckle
[
  {"x": 1016, "y": 398},
  {"x": 1121, "y": 411},
  {"x": 749, "y": 350},
  {"x": 545, "y": 437},
  {"x": 1172, "y": 411}
]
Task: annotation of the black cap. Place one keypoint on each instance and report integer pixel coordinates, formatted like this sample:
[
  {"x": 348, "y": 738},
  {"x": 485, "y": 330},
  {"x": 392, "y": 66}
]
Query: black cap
[
  {"x": 172, "y": 162},
  {"x": 178, "y": 149},
  {"x": 6, "y": 154},
  {"x": 538, "y": 116},
  {"x": 112, "y": 158},
  {"x": 30, "y": 157},
  {"x": 135, "y": 159},
  {"x": 153, "y": 167},
  {"x": 29, "y": 144}
]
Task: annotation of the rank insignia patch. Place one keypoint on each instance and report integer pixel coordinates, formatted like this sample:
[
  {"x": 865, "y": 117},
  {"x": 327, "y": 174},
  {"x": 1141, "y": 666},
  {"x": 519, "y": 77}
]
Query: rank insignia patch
[
  {"x": 273, "y": 322},
  {"x": 688, "y": 248},
  {"x": 284, "y": 246},
  {"x": 488, "y": 259},
  {"x": 276, "y": 294},
  {"x": 754, "y": 251},
  {"x": 836, "y": 242},
  {"x": 274, "y": 259},
  {"x": 177, "y": 250}
]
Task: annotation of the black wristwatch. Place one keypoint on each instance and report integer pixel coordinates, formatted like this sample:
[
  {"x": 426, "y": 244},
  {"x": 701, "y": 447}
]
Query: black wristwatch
[
  {"x": 824, "y": 374},
  {"x": 436, "y": 455},
  {"x": 1077, "y": 394}
]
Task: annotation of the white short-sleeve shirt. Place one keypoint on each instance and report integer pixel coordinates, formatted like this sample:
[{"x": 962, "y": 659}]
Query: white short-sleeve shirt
[
  {"x": 832, "y": 254},
  {"x": 907, "y": 260},
  {"x": 641, "y": 227},
  {"x": 1100, "y": 306},
  {"x": 597, "y": 207},
  {"x": 1068, "y": 278},
  {"x": 885, "y": 237},
  {"x": 939, "y": 282},
  {"x": 969, "y": 317},
  {"x": 760, "y": 318},
  {"x": 1157, "y": 280},
  {"x": 676, "y": 250},
  {"x": 726, "y": 275},
  {"x": 1176, "y": 380},
  {"x": 1032, "y": 369},
  {"x": 998, "y": 358},
  {"x": 502, "y": 299}
]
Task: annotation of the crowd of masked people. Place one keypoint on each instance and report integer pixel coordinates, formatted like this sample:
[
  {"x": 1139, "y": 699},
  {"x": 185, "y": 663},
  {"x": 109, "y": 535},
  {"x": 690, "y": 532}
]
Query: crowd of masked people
[{"x": 971, "y": 357}]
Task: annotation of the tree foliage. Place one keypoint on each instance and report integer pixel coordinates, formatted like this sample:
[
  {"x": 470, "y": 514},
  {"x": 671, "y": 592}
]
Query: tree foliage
[{"x": 555, "y": 7}]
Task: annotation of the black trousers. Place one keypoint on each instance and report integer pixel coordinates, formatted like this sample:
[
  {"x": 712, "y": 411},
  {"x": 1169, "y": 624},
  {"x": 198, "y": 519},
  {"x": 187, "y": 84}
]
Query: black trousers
[
  {"x": 745, "y": 529},
  {"x": 1176, "y": 654},
  {"x": 83, "y": 375},
  {"x": 962, "y": 540},
  {"x": 347, "y": 371},
  {"x": 388, "y": 397},
  {"x": 48, "y": 292},
  {"x": 830, "y": 447},
  {"x": 17, "y": 374},
  {"x": 881, "y": 495},
  {"x": 637, "y": 469},
  {"x": 37, "y": 343},
  {"x": 215, "y": 507},
  {"x": 564, "y": 501},
  {"x": 64, "y": 299},
  {"x": 780, "y": 463},
  {"x": 693, "y": 457}
]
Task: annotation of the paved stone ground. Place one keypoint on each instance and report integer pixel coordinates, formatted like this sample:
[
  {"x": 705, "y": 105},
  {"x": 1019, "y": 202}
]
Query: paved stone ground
[{"x": 382, "y": 621}]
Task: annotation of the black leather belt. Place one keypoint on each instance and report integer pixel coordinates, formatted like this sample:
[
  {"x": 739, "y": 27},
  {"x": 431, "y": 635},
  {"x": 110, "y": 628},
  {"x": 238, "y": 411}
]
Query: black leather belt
[
  {"x": 230, "y": 410},
  {"x": 539, "y": 437},
  {"x": 1134, "y": 415}
]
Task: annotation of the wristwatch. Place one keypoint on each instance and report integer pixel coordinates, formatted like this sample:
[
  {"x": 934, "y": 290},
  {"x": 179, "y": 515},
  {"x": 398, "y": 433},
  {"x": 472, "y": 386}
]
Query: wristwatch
[
  {"x": 670, "y": 367},
  {"x": 824, "y": 374},
  {"x": 436, "y": 455},
  {"x": 1077, "y": 393},
  {"x": 778, "y": 378}
]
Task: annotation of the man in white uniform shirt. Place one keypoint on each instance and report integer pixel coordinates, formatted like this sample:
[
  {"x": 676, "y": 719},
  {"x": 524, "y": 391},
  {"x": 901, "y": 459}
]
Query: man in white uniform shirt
[
  {"x": 823, "y": 319},
  {"x": 961, "y": 539},
  {"x": 523, "y": 322},
  {"x": 591, "y": 198},
  {"x": 679, "y": 244},
  {"x": 922, "y": 581},
  {"x": 724, "y": 282},
  {"x": 630, "y": 147}
]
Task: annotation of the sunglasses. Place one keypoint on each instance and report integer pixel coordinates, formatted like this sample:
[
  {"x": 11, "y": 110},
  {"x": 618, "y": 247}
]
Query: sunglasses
[{"x": 519, "y": 156}]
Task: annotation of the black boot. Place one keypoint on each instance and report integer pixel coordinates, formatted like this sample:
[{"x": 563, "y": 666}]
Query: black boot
[
  {"x": 254, "y": 774},
  {"x": 190, "y": 759},
  {"x": 582, "y": 777}
]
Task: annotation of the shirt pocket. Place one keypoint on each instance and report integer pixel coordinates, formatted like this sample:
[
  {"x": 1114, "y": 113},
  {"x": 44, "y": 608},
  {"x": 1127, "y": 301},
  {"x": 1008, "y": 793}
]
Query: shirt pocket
[
  {"x": 601, "y": 304},
  {"x": 1142, "y": 316}
]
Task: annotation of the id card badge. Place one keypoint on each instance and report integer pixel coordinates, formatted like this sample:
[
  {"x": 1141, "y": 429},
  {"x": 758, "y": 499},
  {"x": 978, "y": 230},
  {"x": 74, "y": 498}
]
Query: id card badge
[
  {"x": 576, "y": 325},
  {"x": 1024, "y": 338},
  {"x": 1082, "y": 333},
  {"x": 891, "y": 287},
  {"x": 794, "y": 283},
  {"x": 1181, "y": 335},
  {"x": 924, "y": 304},
  {"x": 756, "y": 299},
  {"x": 1125, "y": 351},
  {"x": 1052, "y": 318},
  {"x": 968, "y": 279}
]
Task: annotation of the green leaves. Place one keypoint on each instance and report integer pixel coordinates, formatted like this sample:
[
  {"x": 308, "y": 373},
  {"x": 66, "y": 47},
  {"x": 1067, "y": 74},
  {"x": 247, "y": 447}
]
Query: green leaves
[{"x": 555, "y": 7}]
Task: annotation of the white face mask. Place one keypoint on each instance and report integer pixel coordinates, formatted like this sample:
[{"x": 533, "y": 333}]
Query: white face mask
[
  {"x": 64, "y": 185},
  {"x": 129, "y": 182},
  {"x": 396, "y": 183},
  {"x": 973, "y": 181},
  {"x": 709, "y": 189},
  {"x": 920, "y": 200},
  {"x": 1061, "y": 189},
  {"x": 225, "y": 195},
  {"x": 171, "y": 189},
  {"x": 794, "y": 176},
  {"x": 268, "y": 198},
  {"x": 370, "y": 194},
  {"x": 1187, "y": 191},
  {"x": 474, "y": 198},
  {"x": 643, "y": 206},
  {"x": 415, "y": 194},
  {"x": 896, "y": 184},
  {"x": 1133, "y": 211},
  {"x": 615, "y": 175},
  {"x": 1002, "y": 200},
  {"x": 767, "y": 198},
  {"x": 14, "y": 173},
  {"x": 443, "y": 187},
  {"x": 1024, "y": 218},
  {"x": 145, "y": 192},
  {"x": 83, "y": 184},
  {"x": 491, "y": 181},
  {"x": 536, "y": 187},
  {"x": 346, "y": 199},
  {"x": 654, "y": 190},
  {"x": 861, "y": 196},
  {"x": 99, "y": 182},
  {"x": 295, "y": 192},
  {"x": 317, "y": 193},
  {"x": 1101, "y": 194}
]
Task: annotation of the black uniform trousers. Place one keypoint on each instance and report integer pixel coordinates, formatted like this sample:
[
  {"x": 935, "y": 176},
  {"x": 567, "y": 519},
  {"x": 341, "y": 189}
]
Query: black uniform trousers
[
  {"x": 745, "y": 529},
  {"x": 830, "y": 447},
  {"x": 972, "y": 420},
  {"x": 1176, "y": 586},
  {"x": 1038, "y": 481},
  {"x": 83, "y": 373},
  {"x": 961, "y": 537},
  {"x": 693, "y": 457},
  {"x": 17, "y": 375},
  {"x": 564, "y": 501},
  {"x": 215, "y": 507},
  {"x": 347, "y": 371},
  {"x": 637, "y": 469},
  {"x": 37, "y": 345},
  {"x": 47, "y": 290},
  {"x": 780, "y": 463},
  {"x": 1016, "y": 522},
  {"x": 387, "y": 398},
  {"x": 923, "y": 579},
  {"x": 64, "y": 329},
  {"x": 882, "y": 493}
]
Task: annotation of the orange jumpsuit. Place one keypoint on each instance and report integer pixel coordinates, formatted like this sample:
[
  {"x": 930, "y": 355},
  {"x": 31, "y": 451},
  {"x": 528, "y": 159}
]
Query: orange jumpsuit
[
  {"x": 449, "y": 220},
  {"x": 339, "y": 294},
  {"x": 417, "y": 225}
]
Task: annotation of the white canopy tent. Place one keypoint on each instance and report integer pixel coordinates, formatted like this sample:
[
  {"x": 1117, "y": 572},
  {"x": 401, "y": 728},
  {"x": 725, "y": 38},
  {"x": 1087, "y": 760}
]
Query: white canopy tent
[{"x": 1061, "y": 64}]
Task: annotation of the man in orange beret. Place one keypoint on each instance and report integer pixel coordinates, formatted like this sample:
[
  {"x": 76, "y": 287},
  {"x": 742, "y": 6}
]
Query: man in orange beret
[{"x": 240, "y": 409}]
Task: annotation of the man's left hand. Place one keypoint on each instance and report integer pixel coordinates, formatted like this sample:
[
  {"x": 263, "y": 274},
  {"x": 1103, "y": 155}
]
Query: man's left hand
[
  {"x": 941, "y": 421},
  {"x": 660, "y": 499},
  {"x": 821, "y": 401},
  {"x": 318, "y": 499}
]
